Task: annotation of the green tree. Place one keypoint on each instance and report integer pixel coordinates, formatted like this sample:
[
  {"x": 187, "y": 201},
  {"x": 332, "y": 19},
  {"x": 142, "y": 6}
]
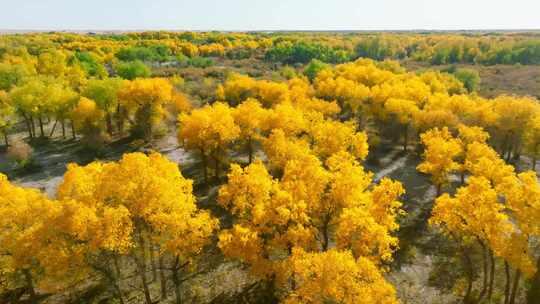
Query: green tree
[
  {"x": 313, "y": 68},
  {"x": 105, "y": 94},
  {"x": 132, "y": 70},
  {"x": 470, "y": 78}
]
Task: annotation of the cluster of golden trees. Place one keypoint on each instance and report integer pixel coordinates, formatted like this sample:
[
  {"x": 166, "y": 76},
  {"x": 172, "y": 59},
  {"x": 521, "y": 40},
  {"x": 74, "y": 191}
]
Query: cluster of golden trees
[
  {"x": 494, "y": 214},
  {"x": 107, "y": 217},
  {"x": 381, "y": 94},
  {"x": 307, "y": 219},
  {"x": 50, "y": 88},
  {"x": 303, "y": 204},
  {"x": 148, "y": 47},
  {"x": 294, "y": 119}
]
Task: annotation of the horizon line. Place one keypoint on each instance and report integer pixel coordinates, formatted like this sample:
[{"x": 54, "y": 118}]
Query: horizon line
[{"x": 120, "y": 30}]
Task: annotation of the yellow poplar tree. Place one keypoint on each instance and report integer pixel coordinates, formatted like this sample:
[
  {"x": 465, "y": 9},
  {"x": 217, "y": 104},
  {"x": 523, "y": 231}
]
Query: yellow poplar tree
[
  {"x": 160, "y": 206},
  {"x": 249, "y": 116},
  {"x": 440, "y": 152},
  {"x": 328, "y": 137},
  {"x": 532, "y": 140},
  {"x": 405, "y": 110},
  {"x": 312, "y": 206},
  {"x": 336, "y": 277},
  {"x": 30, "y": 252},
  {"x": 145, "y": 99},
  {"x": 208, "y": 130},
  {"x": 6, "y": 113}
]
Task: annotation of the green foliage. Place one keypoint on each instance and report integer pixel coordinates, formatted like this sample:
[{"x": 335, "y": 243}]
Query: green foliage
[
  {"x": 90, "y": 64},
  {"x": 439, "y": 50},
  {"x": 132, "y": 70},
  {"x": 313, "y": 68},
  {"x": 379, "y": 49},
  {"x": 240, "y": 53},
  {"x": 104, "y": 92},
  {"x": 182, "y": 60},
  {"x": 469, "y": 77},
  {"x": 12, "y": 75},
  {"x": 288, "y": 72},
  {"x": 196, "y": 62},
  {"x": 200, "y": 62},
  {"x": 303, "y": 52},
  {"x": 159, "y": 53}
]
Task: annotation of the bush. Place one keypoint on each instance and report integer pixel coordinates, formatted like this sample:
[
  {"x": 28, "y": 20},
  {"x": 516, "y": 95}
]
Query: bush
[
  {"x": 470, "y": 78},
  {"x": 132, "y": 70},
  {"x": 288, "y": 72},
  {"x": 313, "y": 68},
  {"x": 196, "y": 62},
  {"x": 21, "y": 153},
  {"x": 159, "y": 53},
  {"x": 90, "y": 64},
  {"x": 201, "y": 62},
  {"x": 303, "y": 52},
  {"x": 182, "y": 60}
]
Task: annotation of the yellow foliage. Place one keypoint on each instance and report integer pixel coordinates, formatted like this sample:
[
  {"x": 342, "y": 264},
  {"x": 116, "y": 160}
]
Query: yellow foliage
[
  {"x": 440, "y": 153},
  {"x": 208, "y": 128},
  {"x": 337, "y": 277}
]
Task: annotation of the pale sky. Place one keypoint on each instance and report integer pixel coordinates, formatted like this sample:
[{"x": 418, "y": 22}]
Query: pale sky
[{"x": 268, "y": 15}]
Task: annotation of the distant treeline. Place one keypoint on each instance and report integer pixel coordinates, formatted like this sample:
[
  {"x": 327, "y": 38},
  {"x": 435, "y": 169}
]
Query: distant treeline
[
  {"x": 287, "y": 48},
  {"x": 436, "y": 50}
]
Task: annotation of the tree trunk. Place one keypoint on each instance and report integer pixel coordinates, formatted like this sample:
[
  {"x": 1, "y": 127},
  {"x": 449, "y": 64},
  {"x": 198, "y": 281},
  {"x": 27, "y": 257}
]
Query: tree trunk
[
  {"x": 507, "y": 284},
  {"x": 33, "y": 124},
  {"x": 360, "y": 120},
  {"x": 405, "y": 137},
  {"x": 534, "y": 163},
  {"x": 41, "y": 132},
  {"x": 485, "y": 272},
  {"x": 509, "y": 155},
  {"x": 143, "y": 122},
  {"x": 117, "y": 267},
  {"x": 28, "y": 126},
  {"x": 216, "y": 165},
  {"x": 515, "y": 286},
  {"x": 6, "y": 140},
  {"x": 470, "y": 277},
  {"x": 504, "y": 145},
  {"x": 73, "y": 134},
  {"x": 325, "y": 232},
  {"x": 205, "y": 166},
  {"x": 30, "y": 286},
  {"x": 438, "y": 190},
  {"x": 108, "y": 119},
  {"x": 293, "y": 276},
  {"x": 162, "y": 278},
  {"x": 63, "y": 129},
  {"x": 153, "y": 262},
  {"x": 141, "y": 265},
  {"x": 53, "y": 128},
  {"x": 250, "y": 150},
  {"x": 491, "y": 275},
  {"x": 114, "y": 276},
  {"x": 177, "y": 293},
  {"x": 176, "y": 280},
  {"x": 119, "y": 293},
  {"x": 517, "y": 152},
  {"x": 533, "y": 294},
  {"x": 120, "y": 120}
]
